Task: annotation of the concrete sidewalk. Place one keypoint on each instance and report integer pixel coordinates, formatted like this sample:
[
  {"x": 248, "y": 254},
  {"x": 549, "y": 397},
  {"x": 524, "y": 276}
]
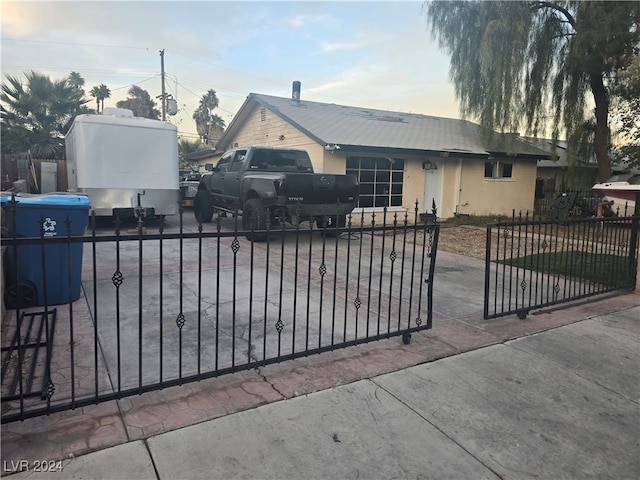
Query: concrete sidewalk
[{"x": 554, "y": 396}]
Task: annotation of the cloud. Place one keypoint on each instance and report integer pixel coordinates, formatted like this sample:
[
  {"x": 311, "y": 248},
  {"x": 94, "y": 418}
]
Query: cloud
[
  {"x": 327, "y": 47},
  {"x": 369, "y": 53},
  {"x": 348, "y": 82},
  {"x": 301, "y": 21},
  {"x": 362, "y": 41}
]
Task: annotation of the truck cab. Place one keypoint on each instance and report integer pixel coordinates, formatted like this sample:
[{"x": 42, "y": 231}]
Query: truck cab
[{"x": 274, "y": 185}]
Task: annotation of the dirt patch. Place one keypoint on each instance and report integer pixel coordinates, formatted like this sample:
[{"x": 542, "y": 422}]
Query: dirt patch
[{"x": 463, "y": 240}]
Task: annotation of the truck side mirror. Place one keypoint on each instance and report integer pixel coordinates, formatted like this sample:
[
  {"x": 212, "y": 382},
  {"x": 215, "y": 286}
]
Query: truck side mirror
[{"x": 208, "y": 167}]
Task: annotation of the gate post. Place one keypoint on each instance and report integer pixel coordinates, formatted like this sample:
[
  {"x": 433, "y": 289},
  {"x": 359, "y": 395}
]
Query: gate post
[
  {"x": 638, "y": 275},
  {"x": 633, "y": 247}
]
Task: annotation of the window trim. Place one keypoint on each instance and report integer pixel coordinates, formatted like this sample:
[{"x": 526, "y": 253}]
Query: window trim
[
  {"x": 371, "y": 166},
  {"x": 497, "y": 170}
]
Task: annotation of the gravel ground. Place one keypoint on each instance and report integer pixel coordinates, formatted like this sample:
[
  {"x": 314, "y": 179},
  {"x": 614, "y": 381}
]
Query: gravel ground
[{"x": 463, "y": 240}]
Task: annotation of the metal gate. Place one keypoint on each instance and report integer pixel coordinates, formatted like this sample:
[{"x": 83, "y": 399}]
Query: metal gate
[
  {"x": 532, "y": 264},
  {"x": 171, "y": 303}
]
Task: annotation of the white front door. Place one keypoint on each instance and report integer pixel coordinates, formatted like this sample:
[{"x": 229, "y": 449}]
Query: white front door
[{"x": 432, "y": 186}]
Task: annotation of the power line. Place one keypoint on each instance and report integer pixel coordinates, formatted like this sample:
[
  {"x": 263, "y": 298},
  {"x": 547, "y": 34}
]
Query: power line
[
  {"x": 103, "y": 72},
  {"x": 136, "y": 83},
  {"x": 197, "y": 95},
  {"x": 76, "y": 44},
  {"x": 226, "y": 68},
  {"x": 149, "y": 49}
]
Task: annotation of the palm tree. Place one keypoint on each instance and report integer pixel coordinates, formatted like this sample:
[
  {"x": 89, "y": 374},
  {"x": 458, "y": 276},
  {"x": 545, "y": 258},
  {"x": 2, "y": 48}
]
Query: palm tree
[
  {"x": 186, "y": 146},
  {"x": 210, "y": 101},
  {"x": 216, "y": 127},
  {"x": 95, "y": 93},
  {"x": 201, "y": 118},
  {"x": 76, "y": 80},
  {"x": 208, "y": 124},
  {"x": 36, "y": 115},
  {"x": 100, "y": 93},
  {"x": 104, "y": 93}
]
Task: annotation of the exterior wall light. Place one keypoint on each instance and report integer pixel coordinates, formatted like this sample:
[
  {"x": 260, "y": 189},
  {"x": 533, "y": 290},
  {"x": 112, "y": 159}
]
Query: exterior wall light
[{"x": 429, "y": 165}]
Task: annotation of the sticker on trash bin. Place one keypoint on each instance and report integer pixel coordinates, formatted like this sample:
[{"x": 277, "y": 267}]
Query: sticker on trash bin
[{"x": 49, "y": 227}]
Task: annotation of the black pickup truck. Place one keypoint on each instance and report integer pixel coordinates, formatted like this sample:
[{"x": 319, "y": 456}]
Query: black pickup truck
[{"x": 274, "y": 185}]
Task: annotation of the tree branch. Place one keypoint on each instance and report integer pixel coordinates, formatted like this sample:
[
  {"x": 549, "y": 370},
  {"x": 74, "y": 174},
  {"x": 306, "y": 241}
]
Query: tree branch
[{"x": 558, "y": 8}]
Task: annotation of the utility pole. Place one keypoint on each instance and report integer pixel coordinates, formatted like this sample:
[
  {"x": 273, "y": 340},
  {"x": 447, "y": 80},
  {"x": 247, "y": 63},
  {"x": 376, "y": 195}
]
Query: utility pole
[{"x": 163, "y": 97}]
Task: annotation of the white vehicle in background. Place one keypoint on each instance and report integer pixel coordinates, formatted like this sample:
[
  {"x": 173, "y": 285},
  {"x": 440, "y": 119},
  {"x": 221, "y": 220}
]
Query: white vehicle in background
[
  {"x": 189, "y": 181},
  {"x": 621, "y": 191},
  {"x": 128, "y": 166}
]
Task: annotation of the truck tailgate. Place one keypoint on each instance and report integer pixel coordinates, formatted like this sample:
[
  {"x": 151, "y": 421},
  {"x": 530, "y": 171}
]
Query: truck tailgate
[{"x": 322, "y": 188}]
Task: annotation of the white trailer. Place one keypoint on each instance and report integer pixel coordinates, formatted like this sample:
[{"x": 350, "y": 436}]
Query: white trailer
[{"x": 126, "y": 165}]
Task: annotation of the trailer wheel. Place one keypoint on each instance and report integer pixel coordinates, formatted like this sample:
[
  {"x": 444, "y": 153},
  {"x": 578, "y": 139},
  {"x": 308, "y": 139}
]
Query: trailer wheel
[
  {"x": 22, "y": 295},
  {"x": 254, "y": 217},
  {"x": 203, "y": 207}
]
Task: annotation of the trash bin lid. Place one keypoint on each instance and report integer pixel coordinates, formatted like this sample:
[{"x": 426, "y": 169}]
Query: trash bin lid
[{"x": 65, "y": 200}]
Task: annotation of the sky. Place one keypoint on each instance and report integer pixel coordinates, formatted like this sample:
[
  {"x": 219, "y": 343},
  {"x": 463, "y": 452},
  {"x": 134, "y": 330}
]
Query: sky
[{"x": 372, "y": 54}]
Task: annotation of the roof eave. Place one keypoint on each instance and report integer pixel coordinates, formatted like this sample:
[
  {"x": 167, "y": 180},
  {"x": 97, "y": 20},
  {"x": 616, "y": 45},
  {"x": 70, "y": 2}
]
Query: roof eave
[
  {"x": 238, "y": 118},
  {"x": 200, "y": 154},
  {"x": 410, "y": 151}
]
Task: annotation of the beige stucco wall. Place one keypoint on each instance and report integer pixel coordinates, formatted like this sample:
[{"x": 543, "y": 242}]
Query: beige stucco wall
[
  {"x": 499, "y": 196},
  {"x": 414, "y": 184},
  {"x": 213, "y": 159},
  {"x": 266, "y": 129}
]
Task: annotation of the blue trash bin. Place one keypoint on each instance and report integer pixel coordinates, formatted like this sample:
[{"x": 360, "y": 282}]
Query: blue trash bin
[{"x": 61, "y": 271}]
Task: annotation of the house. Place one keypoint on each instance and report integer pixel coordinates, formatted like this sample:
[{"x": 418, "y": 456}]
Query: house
[
  {"x": 557, "y": 173},
  {"x": 202, "y": 157},
  {"x": 399, "y": 158}
]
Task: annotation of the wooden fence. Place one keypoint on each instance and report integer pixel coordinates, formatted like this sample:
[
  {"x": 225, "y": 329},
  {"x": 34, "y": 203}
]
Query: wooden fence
[{"x": 22, "y": 167}]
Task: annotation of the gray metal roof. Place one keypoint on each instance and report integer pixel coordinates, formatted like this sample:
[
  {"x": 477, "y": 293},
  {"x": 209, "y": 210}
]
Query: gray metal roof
[
  {"x": 328, "y": 124},
  {"x": 558, "y": 156}
]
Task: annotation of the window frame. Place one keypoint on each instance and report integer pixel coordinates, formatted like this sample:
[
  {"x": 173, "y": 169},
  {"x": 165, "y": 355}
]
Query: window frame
[
  {"x": 498, "y": 170},
  {"x": 381, "y": 180}
]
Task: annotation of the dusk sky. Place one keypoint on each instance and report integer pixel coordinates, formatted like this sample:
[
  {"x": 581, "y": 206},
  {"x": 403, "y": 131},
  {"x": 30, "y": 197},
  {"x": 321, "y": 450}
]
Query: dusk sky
[{"x": 361, "y": 53}]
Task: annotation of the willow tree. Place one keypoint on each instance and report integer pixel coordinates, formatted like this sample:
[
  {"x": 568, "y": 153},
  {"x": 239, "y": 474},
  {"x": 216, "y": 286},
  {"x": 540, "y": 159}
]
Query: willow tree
[
  {"x": 140, "y": 103},
  {"x": 536, "y": 65},
  {"x": 626, "y": 107}
]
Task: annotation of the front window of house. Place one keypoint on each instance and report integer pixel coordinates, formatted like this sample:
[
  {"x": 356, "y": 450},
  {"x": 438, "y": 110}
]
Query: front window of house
[
  {"x": 498, "y": 170},
  {"x": 381, "y": 180}
]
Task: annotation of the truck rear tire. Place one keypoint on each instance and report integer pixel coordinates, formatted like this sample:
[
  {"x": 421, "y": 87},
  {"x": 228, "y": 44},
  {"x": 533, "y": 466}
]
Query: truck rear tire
[
  {"x": 254, "y": 217},
  {"x": 203, "y": 207}
]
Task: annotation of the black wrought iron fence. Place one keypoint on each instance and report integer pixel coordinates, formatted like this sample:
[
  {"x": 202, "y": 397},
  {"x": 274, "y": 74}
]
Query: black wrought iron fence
[
  {"x": 181, "y": 302},
  {"x": 537, "y": 263},
  {"x": 577, "y": 203}
]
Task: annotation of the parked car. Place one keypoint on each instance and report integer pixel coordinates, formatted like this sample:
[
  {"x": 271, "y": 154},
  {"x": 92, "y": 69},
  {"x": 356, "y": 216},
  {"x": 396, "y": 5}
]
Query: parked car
[{"x": 189, "y": 180}]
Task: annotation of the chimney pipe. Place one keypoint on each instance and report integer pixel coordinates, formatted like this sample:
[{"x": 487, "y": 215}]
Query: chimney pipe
[{"x": 295, "y": 93}]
